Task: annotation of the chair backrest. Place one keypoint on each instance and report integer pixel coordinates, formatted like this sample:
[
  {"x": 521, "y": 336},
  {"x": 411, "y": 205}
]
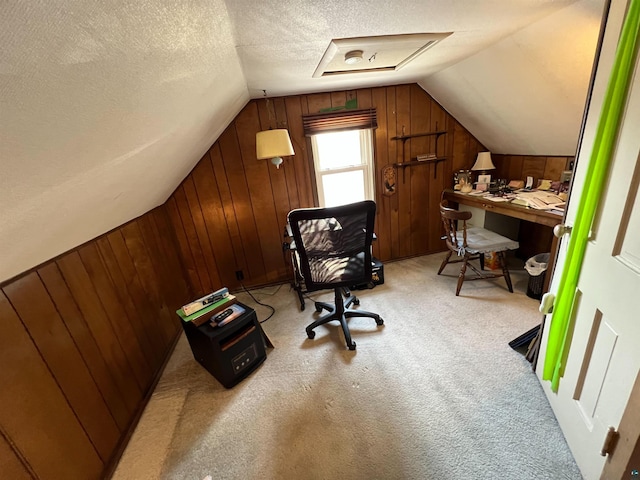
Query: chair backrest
[
  {"x": 334, "y": 244},
  {"x": 452, "y": 227}
]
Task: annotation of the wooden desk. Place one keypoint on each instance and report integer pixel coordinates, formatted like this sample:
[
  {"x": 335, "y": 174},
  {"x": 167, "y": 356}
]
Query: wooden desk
[{"x": 541, "y": 217}]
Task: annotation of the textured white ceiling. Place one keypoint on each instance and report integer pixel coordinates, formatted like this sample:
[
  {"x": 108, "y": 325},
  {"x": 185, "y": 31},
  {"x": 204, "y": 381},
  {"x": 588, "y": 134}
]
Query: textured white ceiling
[
  {"x": 526, "y": 93},
  {"x": 106, "y": 106},
  {"x": 281, "y": 42}
]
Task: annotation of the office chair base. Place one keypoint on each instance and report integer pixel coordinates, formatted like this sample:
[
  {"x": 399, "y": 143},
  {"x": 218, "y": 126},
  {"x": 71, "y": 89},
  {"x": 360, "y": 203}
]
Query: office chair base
[{"x": 340, "y": 311}]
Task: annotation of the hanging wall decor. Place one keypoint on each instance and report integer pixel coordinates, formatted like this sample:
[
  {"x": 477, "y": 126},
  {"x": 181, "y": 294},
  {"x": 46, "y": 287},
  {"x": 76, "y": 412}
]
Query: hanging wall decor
[{"x": 388, "y": 180}]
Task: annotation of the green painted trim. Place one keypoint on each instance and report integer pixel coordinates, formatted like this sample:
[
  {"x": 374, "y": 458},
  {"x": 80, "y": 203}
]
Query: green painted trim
[{"x": 604, "y": 143}]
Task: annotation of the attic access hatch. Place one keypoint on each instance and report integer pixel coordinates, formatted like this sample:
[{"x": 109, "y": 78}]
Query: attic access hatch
[{"x": 384, "y": 53}]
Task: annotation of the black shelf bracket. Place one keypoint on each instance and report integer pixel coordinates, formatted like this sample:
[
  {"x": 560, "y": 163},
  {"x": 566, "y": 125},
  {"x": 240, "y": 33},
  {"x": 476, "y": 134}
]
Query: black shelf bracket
[{"x": 437, "y": 133}]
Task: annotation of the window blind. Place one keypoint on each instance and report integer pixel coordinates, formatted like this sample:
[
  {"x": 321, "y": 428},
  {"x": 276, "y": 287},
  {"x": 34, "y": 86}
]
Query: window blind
[{"x": 340, "y": 120}]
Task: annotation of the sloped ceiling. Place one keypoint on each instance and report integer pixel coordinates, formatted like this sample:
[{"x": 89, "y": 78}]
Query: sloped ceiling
[
  {"x": 106, "y": 106},
  {"x": 525, "y": 94}
]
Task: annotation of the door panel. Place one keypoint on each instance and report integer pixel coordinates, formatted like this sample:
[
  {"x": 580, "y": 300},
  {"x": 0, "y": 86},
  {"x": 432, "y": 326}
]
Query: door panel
[{"x": 603, "y": 359}]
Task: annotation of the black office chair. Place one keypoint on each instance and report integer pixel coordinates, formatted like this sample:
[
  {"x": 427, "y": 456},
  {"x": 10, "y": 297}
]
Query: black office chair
[{"x": 334, "y": 249}]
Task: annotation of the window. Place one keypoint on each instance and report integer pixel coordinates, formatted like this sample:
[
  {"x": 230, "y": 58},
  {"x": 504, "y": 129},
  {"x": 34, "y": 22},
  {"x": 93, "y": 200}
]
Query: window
[{"x": 343, "y": 164}]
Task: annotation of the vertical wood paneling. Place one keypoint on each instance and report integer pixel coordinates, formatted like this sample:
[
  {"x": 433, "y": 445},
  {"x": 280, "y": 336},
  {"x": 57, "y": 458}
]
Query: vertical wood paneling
[
  {"x": 139, "y": 238},
  {"x": 200, "y": 227},
  {"x": 87, "y": 333},
  {"x": 188, "y": 262},
  {"x": 86, "y": 297},
  {"x": 440, "y": 179},
  {"x": 12, "y": 465},
  {"x": 262, "y": 204},
  {"x": 138, "y": 331},
  {"x": 82, "y": 338},
  {"x": 338, "y": 99},
  {"x": 256, "y": 198},
  {"x": 145, "y": 313},
  {"x": 38, "y": 314},
  {"x": 163, "y": 254},
  {"x": 318, "y": 101},
  {"x": 461, "y": 156},
  {"x": 394, "y": 151},
  {"x": 554, "y": 166},
  {"x": 194, "y": 252},
  {"x": 214, "y": 225},
  {"x": 420, "y": 121},
  {"x": 241, "y": 203},
  {"x": 403, "y": 124},
  {"x": 382, "y": 247},
  {"x": 35, "y": 415},
  {"x": 302, "y": 178},
  {"x": 118, "y": 321},
  {"x": 231, "y": 220},
  {"x": 283, "y": 179},
  {"x": 531, "y": 166},
  {"x": 518, "y": 167}
]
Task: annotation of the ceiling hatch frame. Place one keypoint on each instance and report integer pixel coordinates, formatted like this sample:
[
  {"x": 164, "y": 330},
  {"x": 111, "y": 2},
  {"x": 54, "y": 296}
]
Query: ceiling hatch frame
[{"x": 382, "y": 53}]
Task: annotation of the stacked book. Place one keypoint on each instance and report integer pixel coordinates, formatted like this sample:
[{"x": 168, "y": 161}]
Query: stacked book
[
  {"x": 425, "y": 156},
  {"x": 203, "y": 309}
]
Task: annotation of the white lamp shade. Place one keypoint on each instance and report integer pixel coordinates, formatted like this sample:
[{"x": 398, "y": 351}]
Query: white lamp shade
[
  {"x": 273, "y": 143},
  {"x": 483, "y": 162}
]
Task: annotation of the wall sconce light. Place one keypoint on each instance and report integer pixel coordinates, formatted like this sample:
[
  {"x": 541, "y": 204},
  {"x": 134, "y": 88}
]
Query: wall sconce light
[{"x": 274, "y": 144}]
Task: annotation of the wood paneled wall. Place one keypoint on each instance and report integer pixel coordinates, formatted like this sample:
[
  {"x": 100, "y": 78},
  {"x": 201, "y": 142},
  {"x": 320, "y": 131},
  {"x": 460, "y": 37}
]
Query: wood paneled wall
[
  {"x": 533, "y": 238},
  {"x": 82, "y": 339},
  {"x": 519, "y": 167},
  {"x": 230, "y": 212}
]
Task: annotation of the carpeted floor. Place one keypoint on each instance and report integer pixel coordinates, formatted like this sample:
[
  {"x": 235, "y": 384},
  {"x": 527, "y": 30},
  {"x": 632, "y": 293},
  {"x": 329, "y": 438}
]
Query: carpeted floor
[{"x": 435, "y": 393}]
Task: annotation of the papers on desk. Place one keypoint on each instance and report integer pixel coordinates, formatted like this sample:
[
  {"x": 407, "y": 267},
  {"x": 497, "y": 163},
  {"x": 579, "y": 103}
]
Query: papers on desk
[
  {"x": 539, "y": 200},
  {"x": 503, "y": 198}
]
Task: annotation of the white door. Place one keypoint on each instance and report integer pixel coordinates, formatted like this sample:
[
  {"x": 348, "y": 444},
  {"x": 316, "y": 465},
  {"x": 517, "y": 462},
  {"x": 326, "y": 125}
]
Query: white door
[{"x": 604, "y": 353}]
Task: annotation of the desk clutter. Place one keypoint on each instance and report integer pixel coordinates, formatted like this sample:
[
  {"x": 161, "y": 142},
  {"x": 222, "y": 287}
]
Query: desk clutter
[
  {"x": 548, "y": 195},
  {"x": 536, "y": 199}
]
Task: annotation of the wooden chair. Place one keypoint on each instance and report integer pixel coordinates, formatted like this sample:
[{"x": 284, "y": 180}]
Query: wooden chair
[{"x": 471, "y": 243}]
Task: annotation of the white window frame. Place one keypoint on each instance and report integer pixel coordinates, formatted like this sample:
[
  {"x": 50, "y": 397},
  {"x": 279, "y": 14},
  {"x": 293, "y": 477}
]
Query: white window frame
[{"x": 366, "y": 165}]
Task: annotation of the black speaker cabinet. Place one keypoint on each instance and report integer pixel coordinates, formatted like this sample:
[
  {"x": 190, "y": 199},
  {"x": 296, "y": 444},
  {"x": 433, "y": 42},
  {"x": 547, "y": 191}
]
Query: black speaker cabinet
[{"x": 231, "y": 352}]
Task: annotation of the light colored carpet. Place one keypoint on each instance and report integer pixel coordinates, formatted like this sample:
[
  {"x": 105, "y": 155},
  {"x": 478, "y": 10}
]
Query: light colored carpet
[{"x": 435, "y": 393}]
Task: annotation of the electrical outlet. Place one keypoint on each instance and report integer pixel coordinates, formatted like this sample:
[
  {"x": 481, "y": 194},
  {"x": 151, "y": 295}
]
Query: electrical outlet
[{"x": 239, "y": 275}]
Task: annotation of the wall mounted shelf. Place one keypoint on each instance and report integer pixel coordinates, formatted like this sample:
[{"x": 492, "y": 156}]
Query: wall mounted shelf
[
  {"x": 414, "y": 161},
  {"x": 404, "y": 138}
]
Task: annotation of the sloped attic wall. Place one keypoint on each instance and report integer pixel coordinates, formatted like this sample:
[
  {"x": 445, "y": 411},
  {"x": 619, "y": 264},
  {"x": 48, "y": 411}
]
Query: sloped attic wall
[
  {"x": 106, "y": 107},
  {"x": 497, "y": 93}
]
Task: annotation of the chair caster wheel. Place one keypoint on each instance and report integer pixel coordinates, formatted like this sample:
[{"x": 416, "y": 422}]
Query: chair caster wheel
[
  {"x": 318, "y": 308},
  {"x": 352, "y": 346},
  {"x": 379, "y": 321},
  {"x": 311, "y": 334},
  {"x": 356, "y": 302}
]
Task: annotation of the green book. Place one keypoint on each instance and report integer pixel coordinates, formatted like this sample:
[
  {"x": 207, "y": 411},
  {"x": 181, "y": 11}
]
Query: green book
[{"x": 209, "y": 309}]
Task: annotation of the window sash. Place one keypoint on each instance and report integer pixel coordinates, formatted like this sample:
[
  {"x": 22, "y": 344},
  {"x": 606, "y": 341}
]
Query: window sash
[{"x": 366, "y": 154}]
